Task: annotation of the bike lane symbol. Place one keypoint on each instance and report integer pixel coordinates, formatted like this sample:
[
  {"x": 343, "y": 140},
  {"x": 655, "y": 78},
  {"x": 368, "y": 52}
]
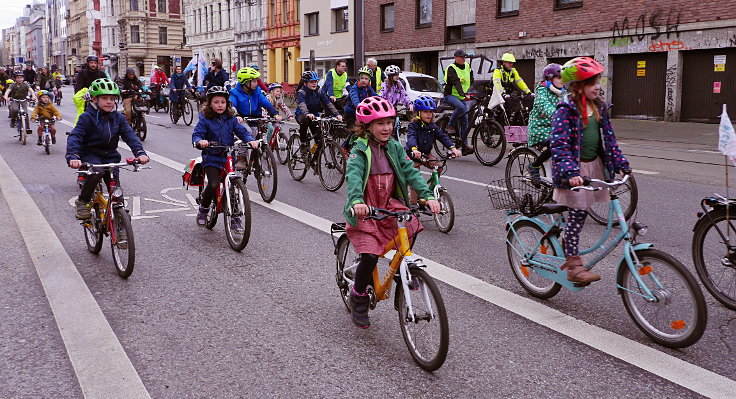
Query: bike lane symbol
[{"x": 136, "y": 204}]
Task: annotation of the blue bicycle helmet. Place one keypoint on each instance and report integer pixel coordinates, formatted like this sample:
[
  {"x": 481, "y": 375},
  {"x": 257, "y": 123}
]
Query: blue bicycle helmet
[
  {"x": 309, "y": 76},
  {"x": 274, "y": 86},
  {"x": 425, "y": 103}
]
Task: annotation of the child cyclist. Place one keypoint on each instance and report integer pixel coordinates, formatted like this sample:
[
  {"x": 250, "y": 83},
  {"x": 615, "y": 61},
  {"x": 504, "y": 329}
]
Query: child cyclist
[
  {"x": 95, "y": 137},
  {"x": 358, "y": 92},
  {"x": 311, "y": 103},
  {"x": 217, "y": 123},
  {"x": 377, "y": 174},
  {"x": 18, "y": 90},
  {"x": 548, "y": 93},
  {"x": 45, "y": 110},
  {"x": 276, "y": 97},
  {"x": 393, "y": 90},
  {"x": 583, "y": 145}
]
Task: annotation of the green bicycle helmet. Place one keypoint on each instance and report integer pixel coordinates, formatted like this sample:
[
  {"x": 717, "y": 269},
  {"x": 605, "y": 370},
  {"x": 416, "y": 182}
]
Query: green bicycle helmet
[
  {"x": 365, "y": 70},
  {"x": 103, "y": 86},
  {"x": 247, "y": 74}
]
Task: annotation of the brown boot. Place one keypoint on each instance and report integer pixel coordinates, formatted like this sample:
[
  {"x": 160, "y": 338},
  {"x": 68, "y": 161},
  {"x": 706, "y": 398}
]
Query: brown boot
[{"x": 577, "y": 273}]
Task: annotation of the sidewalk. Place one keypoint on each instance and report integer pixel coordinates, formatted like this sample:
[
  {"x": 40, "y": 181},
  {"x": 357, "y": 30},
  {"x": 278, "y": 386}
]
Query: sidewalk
[{"x": 697, "y": 134}]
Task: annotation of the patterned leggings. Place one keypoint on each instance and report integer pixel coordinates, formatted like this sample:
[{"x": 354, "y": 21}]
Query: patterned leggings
[{"x": 575, "y": 223}]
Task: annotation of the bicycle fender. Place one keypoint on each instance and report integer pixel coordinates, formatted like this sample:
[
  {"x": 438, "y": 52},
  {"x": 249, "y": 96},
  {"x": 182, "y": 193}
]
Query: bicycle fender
[
  {"x": 622, "y": 264},
  {"x": 343, "y": 237}
]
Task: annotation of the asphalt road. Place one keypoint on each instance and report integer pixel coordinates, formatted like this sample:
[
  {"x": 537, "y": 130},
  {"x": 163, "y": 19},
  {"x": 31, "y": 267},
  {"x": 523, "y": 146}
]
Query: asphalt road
[{"x": 198, "y": 320}]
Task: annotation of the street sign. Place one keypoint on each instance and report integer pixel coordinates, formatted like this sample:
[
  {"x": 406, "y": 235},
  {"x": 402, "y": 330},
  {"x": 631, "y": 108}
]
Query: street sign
[
  {"x": 716, "y": 87},
  {"x": 641, "y": 64},
  {"x": 641, "y": 72},
  {"x": 719, "y": 59}
]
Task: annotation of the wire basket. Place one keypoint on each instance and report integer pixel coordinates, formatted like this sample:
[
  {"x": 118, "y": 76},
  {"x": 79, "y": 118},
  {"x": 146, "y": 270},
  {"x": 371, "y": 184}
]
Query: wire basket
[{"x": 518, "y": 193}]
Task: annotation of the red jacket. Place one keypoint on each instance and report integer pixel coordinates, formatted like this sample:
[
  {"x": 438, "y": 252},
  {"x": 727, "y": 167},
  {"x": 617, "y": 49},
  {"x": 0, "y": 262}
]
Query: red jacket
[{"x": 159, "y": 78}]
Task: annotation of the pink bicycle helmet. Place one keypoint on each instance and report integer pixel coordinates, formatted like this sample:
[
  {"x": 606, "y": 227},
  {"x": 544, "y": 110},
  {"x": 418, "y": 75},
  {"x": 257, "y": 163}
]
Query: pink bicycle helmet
[{"x": 373, "y": 108}]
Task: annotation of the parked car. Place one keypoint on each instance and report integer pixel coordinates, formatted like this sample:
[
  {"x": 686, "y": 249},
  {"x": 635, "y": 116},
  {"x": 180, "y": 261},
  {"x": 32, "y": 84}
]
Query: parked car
[{"x": 419, "y": 84}]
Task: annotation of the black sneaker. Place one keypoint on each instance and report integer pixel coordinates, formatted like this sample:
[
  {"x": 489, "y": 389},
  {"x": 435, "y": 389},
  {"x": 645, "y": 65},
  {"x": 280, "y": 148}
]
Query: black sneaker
[
  {"x": 467, "y": 150},
  {"x": 53, "y": 140},
  {"x": 39, "y": 142},
  {"x": 359, "y": 309},
  {"x": 202, "y": 216}
]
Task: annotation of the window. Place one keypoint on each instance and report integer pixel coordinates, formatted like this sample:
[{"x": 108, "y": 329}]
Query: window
[
  {"x": 285, "y": 11},
  {"x": 461, "y": 33},
  {"x": 135, "y": 34},
  {"x": 199, "y": 15},
  {"x": 387, "y": 17},
  {"x": 161, "y": 5},
  {"x": 424, "y": 13},
  {"x": 162, "y": 35},
  {"x": 508, "y": 8},
  {"x": 340, "y": 15},
  {"x": 219, "y": 14},
  {"x": 312, "y": 24},
  {"x": 561, "y": 4},
  {"x": 133, "y": 5},
  {"x": 227, "y": 13},
  {"x": 273, "y": 12}
]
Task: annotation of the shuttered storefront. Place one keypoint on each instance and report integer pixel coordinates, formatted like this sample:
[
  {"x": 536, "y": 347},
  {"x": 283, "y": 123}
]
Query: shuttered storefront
[
  {"x": 707, "y": 84},
  {"x": 526, "y": 71},
  {"x": 639, "y": 85}
]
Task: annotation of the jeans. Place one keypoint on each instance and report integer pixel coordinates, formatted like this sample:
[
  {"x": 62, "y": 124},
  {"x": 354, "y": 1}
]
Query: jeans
[
  {"x": 460, "y": 109},
  {"x": 306, "y": 124}
]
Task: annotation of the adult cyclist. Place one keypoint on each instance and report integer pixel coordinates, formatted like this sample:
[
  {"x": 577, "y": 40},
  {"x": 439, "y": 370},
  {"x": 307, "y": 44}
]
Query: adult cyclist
[
  {"x": 458, "y": 79},
  {"x": 84, "y": 79},
  {"x": 335, "y": 80},
  {"x": 510, "y": 84}
]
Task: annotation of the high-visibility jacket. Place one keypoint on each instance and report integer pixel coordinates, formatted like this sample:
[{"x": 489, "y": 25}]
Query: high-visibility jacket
[
  {"x": 464, "y": 76},
  {"x": 378, "y": 82},
  {"x": 334, "y": 83},
  {"x": 506, "y": 80}
]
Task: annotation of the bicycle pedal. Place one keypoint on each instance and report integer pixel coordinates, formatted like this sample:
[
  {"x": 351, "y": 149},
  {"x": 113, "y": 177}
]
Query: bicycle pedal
[{"x": 580, "y": 285}]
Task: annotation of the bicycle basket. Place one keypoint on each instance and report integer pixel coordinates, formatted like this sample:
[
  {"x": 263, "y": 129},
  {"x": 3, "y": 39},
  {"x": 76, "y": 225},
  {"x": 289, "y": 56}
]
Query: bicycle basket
[
  {"x": 518, "y": 193},
  {"x": 339, "y": 130}
]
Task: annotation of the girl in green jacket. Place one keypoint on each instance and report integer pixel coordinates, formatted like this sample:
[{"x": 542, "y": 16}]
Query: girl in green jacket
[
  {"x": 546, "y": 96},
  {"x": 377, "y": 174}
]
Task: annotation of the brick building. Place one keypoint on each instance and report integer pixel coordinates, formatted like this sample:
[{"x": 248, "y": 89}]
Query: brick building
[{"x": 665, "y": 59}]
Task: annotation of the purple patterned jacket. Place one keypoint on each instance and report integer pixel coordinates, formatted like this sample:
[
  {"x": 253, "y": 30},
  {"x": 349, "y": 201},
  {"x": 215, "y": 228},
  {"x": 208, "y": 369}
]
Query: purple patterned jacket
[
  {"x": 396, "y": 95},
  {"x": 567, "y": 138}
]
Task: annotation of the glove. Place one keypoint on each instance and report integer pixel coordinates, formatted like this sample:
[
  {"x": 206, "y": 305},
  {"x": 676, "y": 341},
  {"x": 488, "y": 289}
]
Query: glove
[{"x": 506, "y": 96}]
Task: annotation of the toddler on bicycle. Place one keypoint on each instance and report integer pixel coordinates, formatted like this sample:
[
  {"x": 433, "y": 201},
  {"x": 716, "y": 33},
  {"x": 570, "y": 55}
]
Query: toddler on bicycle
[
  {"x": 217, "y": 123},
  {"x": 377, "y": 175},
  {"x": 548, "y": 93},
  {"x": 45, "y": 110},
  {"x": 95, "y": 137},
  {"x": 276, "y": 97},
  {"x": 311, "y": 103},
  {"x": 19, "y": 90},
  {"x": 583, "y": 145}
]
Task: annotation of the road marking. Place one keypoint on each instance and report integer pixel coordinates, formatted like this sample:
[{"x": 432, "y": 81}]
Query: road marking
[
  {"x": 102, "y": 367},
  {"x": 680, "y": 372},
  {"x": 644, "y": 172}
]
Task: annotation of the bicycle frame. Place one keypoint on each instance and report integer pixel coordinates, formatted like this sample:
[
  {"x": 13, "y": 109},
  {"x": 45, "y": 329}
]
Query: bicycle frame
[
  {"x": 226, "y": 176},
  {"x": 106, "y": 206}
]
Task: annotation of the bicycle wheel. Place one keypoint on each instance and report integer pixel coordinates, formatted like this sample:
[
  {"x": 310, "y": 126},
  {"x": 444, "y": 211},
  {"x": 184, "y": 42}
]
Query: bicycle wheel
[
  {"x": 282, "y": 146},
  {"x": 347, "y": 258},
  {"x": 93, "y": 231},
  {"x": 440, "y": 148},
  {"x": 519, "y": 248},
  {"x": 212, "y": 214},
  {"x": 489, "y": 141},
  {"x": 518, "y": 178},
  {"x": 238, "y": 209},
  {"x": 172, "y": 115},
  {"x": 715, "y": 264},
  {"x": 266, "y": 174},
  {"x": 24, "y": 130},
  {"x": 296, "y": 161},
  {"x": 628, "y": 195},
  {"x": 331, "y": 166},
  {"x": 47, "y": 143},
  {"x": 446, "y": 218},
  {"x": 188, "y": 116},
  {"x": 677, "y": 318},
  {"x": 122, "y": 242},
  {"x": 427, "y": 335},
  {"x": 141, "y": 130}
]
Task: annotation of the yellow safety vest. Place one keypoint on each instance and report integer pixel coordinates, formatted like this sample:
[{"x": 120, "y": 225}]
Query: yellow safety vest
[
  {"x": 463, "y": 75},
  {"x": 379, "y": 79},
  {"x": 338, "y": 82}
]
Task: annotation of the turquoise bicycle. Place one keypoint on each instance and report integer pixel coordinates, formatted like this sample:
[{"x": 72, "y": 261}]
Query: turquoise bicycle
[
  {"x": 444, "y": 220},
  {"x": 658, "y": 292}
]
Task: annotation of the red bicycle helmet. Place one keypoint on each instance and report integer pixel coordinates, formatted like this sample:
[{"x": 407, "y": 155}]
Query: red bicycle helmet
[
  {"x": 580, "y": 68},
  {"x": 373, "y": 108}
]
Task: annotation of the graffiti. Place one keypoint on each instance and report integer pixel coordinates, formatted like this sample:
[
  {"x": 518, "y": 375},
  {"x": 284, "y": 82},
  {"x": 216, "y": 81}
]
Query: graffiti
[
  {"x": 482, "y": 66},
  {"x": 670, "y": 81},
  {"x": 546, "y": 52},
  {"x": 654, "y": 20},
  {"x": 671, "y": 76},
  {"x": 733, "y": 41},
  {"x": 658, "y": 46}
]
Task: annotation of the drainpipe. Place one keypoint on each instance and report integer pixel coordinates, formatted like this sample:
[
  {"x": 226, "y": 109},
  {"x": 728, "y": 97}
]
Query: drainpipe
[{"x": 359, "y": 44}]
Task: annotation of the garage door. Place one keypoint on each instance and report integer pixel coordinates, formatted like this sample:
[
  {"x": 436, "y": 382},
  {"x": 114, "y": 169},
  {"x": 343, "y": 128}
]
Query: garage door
[
  {"x": 526, "y": 71},
  {"x": 639, "y": 85},
  {"x": 707, "y": 83}
]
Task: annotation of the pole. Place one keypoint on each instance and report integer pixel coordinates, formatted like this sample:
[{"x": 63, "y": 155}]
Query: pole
[{"x": 359, "y": 48}]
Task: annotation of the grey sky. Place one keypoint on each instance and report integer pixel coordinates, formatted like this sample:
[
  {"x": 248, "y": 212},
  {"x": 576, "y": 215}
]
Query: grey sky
[{"x": 10, "y": 10}]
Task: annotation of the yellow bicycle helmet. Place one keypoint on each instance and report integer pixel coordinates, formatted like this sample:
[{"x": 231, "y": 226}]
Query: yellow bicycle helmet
[
  {"x": 43, "y": 93},
  {"x": 10, "y": 81},
  {"x": 246, "y": 74},
  {"x": 366, "y": 71}
]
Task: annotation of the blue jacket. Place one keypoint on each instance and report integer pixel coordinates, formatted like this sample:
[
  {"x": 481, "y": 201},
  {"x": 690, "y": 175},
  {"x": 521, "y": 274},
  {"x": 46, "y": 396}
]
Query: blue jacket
[
  {"x": 178, "y": 82},
  {"x": 313, "y": 102},
  {"x": 567, "y": 140},
  {"x": 250, "y": 105},
  {"x": 422, "y": 135},
  {"x": 358, "y": 94},
  {"x": 217, "y": 79},
  {"x": 221, "y": 130},
  {"x": 95, "y": 137}
]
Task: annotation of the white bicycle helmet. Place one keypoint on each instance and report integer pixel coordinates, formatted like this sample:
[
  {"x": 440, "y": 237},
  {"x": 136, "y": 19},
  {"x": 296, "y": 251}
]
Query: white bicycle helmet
[{"x": 392, "y": 69}]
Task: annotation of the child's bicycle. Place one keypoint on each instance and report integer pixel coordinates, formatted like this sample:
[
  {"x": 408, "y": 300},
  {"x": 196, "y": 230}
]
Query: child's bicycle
[
  {"x": 658, "y": 292},
  {"x": 261, "y": 163},
  {"x": 444, "y": 220},
  {"x": 232, "y": 200},
  {"x": 22, "y": 122},
  {"x": 422, "y": 314},
  {"x": 326, "y": 156},
  {"x": 46, "y": 137},
  {"x": 110, "y": 217}
]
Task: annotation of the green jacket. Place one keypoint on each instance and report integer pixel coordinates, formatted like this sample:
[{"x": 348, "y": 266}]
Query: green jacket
[
  {"x": 359, "y": 168},
  {"x": 540, "y": 118}
]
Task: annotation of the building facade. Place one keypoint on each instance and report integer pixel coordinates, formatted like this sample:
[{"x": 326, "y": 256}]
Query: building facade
[
  {"x": 210, "y": 27},
  {"x": 282, "y": 41},
  {"x": 56, "y": 16},
  {"x": 328, "y": 31},
  {"x": 250, "y": 34},
  {"x": 110, "y": 31},
  {"x": 79, "y": 44},
  {"x": 36, "y": 35}
]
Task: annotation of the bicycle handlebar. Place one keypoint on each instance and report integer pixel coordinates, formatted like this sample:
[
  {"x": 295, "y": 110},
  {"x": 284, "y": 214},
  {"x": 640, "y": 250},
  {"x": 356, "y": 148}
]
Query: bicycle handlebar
[
  {"x": 91, "y": 169},
  {"x": 380, "y": 213},
  {"x": 587, "y": 183}
]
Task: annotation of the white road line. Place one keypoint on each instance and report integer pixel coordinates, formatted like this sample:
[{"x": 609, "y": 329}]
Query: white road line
[
  {"x": 680, "y": 372},
  {"x": 100, "y": 363}
]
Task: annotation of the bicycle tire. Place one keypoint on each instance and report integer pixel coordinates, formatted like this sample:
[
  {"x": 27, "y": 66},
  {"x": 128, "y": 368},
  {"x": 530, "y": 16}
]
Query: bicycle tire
[
  {"x": 713, "y": 270},
  {"x": 172, "y": 115},
  {"x": 668, "y": 334},
  {"x": 123, "y": 246},
  {"x": 282, "y": 146},
  {"x": 599, "y": 211},
  {"x": 266, "y": 171},
  {"x": 331, "y": 166},
  {"x": 445, "y": 221},
  {"x": 436, "y": 352},
  {"x": 93, "y": 232},
  {"x": 345, "y": 253},
  {"x": 522, "y": 272},
  {"x": 238, "y": 194},
  {"x": 296, "y": 163},
  {"x": 24, "y": 131},
  {"x": 212, "y": 213},
  {"x": 489, "y": 142},
  {"x": 516, "y": 166},
  {"x": 188, "y": 116},
  {"x": 47, "y": 144},
  {"x": 439, "y": 148}
]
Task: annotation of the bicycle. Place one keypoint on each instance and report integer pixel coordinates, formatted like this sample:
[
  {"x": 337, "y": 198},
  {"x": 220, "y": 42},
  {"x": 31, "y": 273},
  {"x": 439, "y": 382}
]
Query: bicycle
[
  {"x": 159, "y": 99},
  {"x": 488, "y": 137},
  {"x": 182, "y": 108},
  {"x": 22, "y": 122},
  {"x": 325, "y": 157},
  {"x": 402, "y": 113},
  {"x": 660, "y": 295},
  {"x": 231, "y": 199},
  {"x": 261, "y": 161},
  {"x": 110, "y": 217},
  {"x": 444, "y": 220},
  {"x": 714, "y": 252},
  {"x": 417, "y": 298},
  {"x": 46, "y": 137},
  {"x": 57, "y": 96},
  {"x": 139, "y": 107}
]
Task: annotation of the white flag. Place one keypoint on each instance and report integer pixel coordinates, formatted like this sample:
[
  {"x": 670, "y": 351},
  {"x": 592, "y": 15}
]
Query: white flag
[
  {"x": 496, "y": 98},
  {"x": 727, "y": 137}
]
